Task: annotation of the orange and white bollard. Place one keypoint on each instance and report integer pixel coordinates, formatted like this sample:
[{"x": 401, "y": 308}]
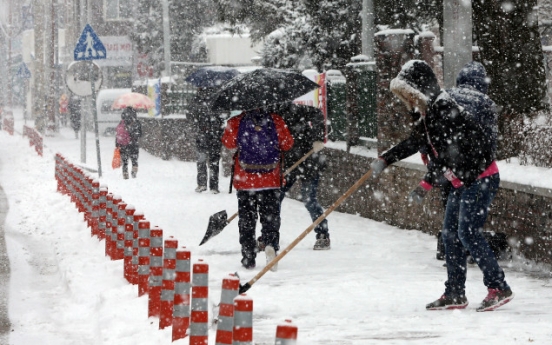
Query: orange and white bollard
[
  {"x": 127, "y": 242},
  {"x": 156, "y": 271},
  {"x": 167, "y": 286},
  {"x": 143, "y": 256},
  {"x": 225, "y": 320},
  {"x": 182, "y": 286},
  {"x": 133, "y": 274},
  {"x": 199, "y": 323},
  {"x": 286, "y": 333},
  {"x": 243, "y": 320},
  {"x": 119, "y": 232},
  {"x": 112, "y": 243},
  {"x": 102, "y": 213}
]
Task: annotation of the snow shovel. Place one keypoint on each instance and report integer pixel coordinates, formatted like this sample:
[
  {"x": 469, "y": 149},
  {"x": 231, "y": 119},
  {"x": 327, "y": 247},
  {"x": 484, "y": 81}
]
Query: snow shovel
[
  {"x": 219, "y": 220},
  {"x": 247, "y": 286}
]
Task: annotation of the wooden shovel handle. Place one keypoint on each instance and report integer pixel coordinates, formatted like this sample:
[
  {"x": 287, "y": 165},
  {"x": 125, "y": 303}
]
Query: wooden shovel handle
[{"x": 307, "y": 230}]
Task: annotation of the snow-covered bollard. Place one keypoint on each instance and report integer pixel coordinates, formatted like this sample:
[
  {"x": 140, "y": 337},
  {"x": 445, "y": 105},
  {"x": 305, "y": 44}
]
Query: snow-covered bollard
[
  {"x": 127, "y": 242},
  {"x": 182, "y": 286},
  {"x": 133, "y": 274},
  {"x": 225, "y": 320},
  {"x": 156, "y": 271},
  {"x": 167, "y": 286},
  {"x": 286, "y": 333},
  {"x": 102, "y": 212},
  {"x": 199, "y": 325},
  {"x": 243, "y": 320},
  {"x": 95, "y": 208},
  {"x": 143, "y": 256},
  {"x": 119, "y": 233},
  {"x": 112, "y": 245},
  {"x": 108, "y": 222}
]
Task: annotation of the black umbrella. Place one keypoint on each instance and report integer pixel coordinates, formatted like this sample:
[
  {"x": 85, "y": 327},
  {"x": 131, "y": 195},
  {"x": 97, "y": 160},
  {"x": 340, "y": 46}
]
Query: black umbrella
[
  {"x": 260, "y": 88},
  {"x": 211, "y": 76}
]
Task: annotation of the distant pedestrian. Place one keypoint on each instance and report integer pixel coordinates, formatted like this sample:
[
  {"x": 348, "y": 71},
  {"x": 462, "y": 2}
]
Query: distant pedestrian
[
  {"x": 63, "y": 109},
  {"x": 208, "y": 126},
  {"x": 464, "y": 152},
  {"x": 260, "y": 138},
  {"x": 75, "y": 114},
  {"x": 127, "y": 139},
  {"x": 306, "y": 125}
]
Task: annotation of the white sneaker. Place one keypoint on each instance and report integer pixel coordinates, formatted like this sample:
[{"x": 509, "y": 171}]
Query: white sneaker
[
  {"x": 270, "y": 255},
  {"x": 200, "y": 189}
]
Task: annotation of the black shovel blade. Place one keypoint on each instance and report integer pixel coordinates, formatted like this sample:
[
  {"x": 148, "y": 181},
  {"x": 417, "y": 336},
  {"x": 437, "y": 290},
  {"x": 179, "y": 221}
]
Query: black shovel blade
[{"x": 217, "y": 223}]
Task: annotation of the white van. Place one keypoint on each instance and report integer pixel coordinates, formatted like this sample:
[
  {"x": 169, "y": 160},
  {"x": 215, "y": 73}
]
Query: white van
[{"x": 108, "y": 118}]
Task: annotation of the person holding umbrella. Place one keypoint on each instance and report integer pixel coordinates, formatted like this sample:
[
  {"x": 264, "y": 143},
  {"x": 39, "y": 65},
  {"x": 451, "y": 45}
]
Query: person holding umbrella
[
  {"x": 127, "y": 139},
  {"x": 129, "y": 130},
  {"x": 208, "y": 123}
]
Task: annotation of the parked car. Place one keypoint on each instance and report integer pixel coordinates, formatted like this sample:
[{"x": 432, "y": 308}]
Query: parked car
[{"x": 108, "y": 118}]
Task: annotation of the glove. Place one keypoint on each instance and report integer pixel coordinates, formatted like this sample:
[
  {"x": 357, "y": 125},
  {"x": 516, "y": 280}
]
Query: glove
[
  {"x": 377, "y": 167},
  {"x": 317, "y": 146},
  {"x": 417, "y": 195}
]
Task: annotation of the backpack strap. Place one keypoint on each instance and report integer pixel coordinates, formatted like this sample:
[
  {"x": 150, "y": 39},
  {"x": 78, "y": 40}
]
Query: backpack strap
[{"x": 232, "y": 171}]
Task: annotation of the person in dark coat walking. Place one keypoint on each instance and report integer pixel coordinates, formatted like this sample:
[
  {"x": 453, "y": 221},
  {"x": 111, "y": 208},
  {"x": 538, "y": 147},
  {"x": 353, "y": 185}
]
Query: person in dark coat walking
[
  {"x": 464, "y": 152},
  {"x": 75, "y": 114},
  {"x": 306, "y": 125},
  {"x": 209, "y": 127},
  {"x": 257, "y": 184},
  {"x": 127, "y": 139}
]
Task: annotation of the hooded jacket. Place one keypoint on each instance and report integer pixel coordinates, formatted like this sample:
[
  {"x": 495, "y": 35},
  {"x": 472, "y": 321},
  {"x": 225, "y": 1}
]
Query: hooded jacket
[
  {"x": 471, "y": 94},
  {"x": 456, "y": 139}
]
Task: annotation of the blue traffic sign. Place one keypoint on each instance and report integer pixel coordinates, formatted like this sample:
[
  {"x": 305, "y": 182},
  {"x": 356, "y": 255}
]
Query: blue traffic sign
[
  {"x": 23, "y": 72},
  {"x": 89, "y": 46}
]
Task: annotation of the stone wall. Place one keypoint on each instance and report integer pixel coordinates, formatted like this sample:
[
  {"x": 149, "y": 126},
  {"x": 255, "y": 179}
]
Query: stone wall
[{"x": 523, "y": 213}]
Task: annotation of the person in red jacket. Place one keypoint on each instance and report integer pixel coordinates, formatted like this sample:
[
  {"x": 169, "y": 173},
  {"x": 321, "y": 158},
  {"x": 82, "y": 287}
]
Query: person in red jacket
[{"x": 260, "y": 138}]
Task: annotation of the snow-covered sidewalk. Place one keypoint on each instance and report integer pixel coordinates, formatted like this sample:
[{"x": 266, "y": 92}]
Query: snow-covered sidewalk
[{"x": 370, "y": 288}]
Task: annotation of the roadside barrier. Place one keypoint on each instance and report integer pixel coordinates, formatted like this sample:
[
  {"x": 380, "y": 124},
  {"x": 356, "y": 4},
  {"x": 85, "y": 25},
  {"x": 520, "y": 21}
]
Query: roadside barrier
[
  {"x": 35, "y": 138},
  {"x": 199, "y": 322},
  {"x": 182, "y": 287},
  {"x": 156, "y": 271},
  {"x": 225, "y": 319},
  {"x": 8, "y": 123},
  {"x": 243, "y": 320},
  {"x": 167, "y": 286},
  {"x": 177, "y": 294},
  {"x": 286, "y": 333}
]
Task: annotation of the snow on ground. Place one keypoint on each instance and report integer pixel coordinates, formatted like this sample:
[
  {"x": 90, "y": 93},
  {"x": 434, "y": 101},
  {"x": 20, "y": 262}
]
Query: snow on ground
[{"x": 370, "y": 288}]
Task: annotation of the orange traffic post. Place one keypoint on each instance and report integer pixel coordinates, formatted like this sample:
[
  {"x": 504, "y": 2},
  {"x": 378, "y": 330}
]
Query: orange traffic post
[
  {"x": 225, "y": 319},
  {"x": 143, "y": 256},
  {"x": 182, "y": 286},
  {"x": 167, "y": 285},
  {"x": 156, "y": 271},
  {"x": 199, "y": 323},
  {"x": 286, "y": 333},
  {"x": 243, "y": 320}
]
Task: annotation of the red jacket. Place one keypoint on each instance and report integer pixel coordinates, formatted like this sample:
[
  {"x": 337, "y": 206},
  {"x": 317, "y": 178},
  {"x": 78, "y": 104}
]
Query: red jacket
[{"x": 250, "y": 181}]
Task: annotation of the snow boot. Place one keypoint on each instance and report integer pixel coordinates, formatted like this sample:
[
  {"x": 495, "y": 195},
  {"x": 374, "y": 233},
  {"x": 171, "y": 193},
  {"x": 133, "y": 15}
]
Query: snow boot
[
  {"x": 496, "y": 298},
  {"x": 322, "y": 242},
  {"x": 448, "y": 302},
  {"x": 248, "y": 261},
  {"x": 134, "y": 172},
  {"x": 125, "y": 175},
  {"x": 270, "y": 255},
  {"x": 200, "y": 189}
]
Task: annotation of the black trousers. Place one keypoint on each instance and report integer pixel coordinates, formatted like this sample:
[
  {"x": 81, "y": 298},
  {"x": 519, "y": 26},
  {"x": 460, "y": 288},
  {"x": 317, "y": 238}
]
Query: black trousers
[
  {"x": 265, "y": 204},
  {"x": 208, "y": 157},
  {"x": 129, "y": 152}
]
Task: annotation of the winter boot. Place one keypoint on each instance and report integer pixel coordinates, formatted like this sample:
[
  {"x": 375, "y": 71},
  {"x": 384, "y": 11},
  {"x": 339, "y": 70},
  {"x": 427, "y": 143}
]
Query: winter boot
[
  {"x": 248, "y": 261},
  {"x": 260, "y": 245},
  {"x": 496, "y": 298},
  {"x": 322, "y": 242},
  {"x": 134, "y": 172},
  {"x": 200, "y": 189},
  {"x": 125, "y": 175},
  {"x": 448, "y": 302},
  {"x": 270, "y": 255}
]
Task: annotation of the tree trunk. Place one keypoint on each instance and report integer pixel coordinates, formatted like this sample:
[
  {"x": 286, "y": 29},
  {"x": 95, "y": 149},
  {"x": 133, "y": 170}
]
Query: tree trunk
[{"x": 510, "y": 48}]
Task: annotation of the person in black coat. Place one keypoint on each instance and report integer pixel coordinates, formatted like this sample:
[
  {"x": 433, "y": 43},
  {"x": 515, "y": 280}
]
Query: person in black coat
[
  {"x": 209, "y": 126},
  {"x": 129, "y": 143},
  {"x": 75, "y": 114},
  {"x": 463, "y": 153},
  {"x": 306, "y": 125}
]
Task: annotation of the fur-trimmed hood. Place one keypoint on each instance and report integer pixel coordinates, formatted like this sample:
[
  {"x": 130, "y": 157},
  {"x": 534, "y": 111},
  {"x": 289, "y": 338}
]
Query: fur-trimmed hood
[{"x": 416, "y": 85}]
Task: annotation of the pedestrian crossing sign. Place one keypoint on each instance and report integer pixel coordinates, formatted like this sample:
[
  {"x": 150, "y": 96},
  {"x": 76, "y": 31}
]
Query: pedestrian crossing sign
[{"x": 89, "y": 46}]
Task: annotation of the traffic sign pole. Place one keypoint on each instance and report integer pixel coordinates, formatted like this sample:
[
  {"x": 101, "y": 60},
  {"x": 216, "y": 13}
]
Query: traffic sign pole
[{"x": 95, "y": 116}]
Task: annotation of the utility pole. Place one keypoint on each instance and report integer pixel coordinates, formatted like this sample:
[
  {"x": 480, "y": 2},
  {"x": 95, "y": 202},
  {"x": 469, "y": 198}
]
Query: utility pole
[
  {"x": 39, "y": 80},
  {"x": 367, "y": 34},
  {"x": 166, "y": 38},
  {"x": 51, "y": 70},
  {"x": 457, "y": 38}
]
